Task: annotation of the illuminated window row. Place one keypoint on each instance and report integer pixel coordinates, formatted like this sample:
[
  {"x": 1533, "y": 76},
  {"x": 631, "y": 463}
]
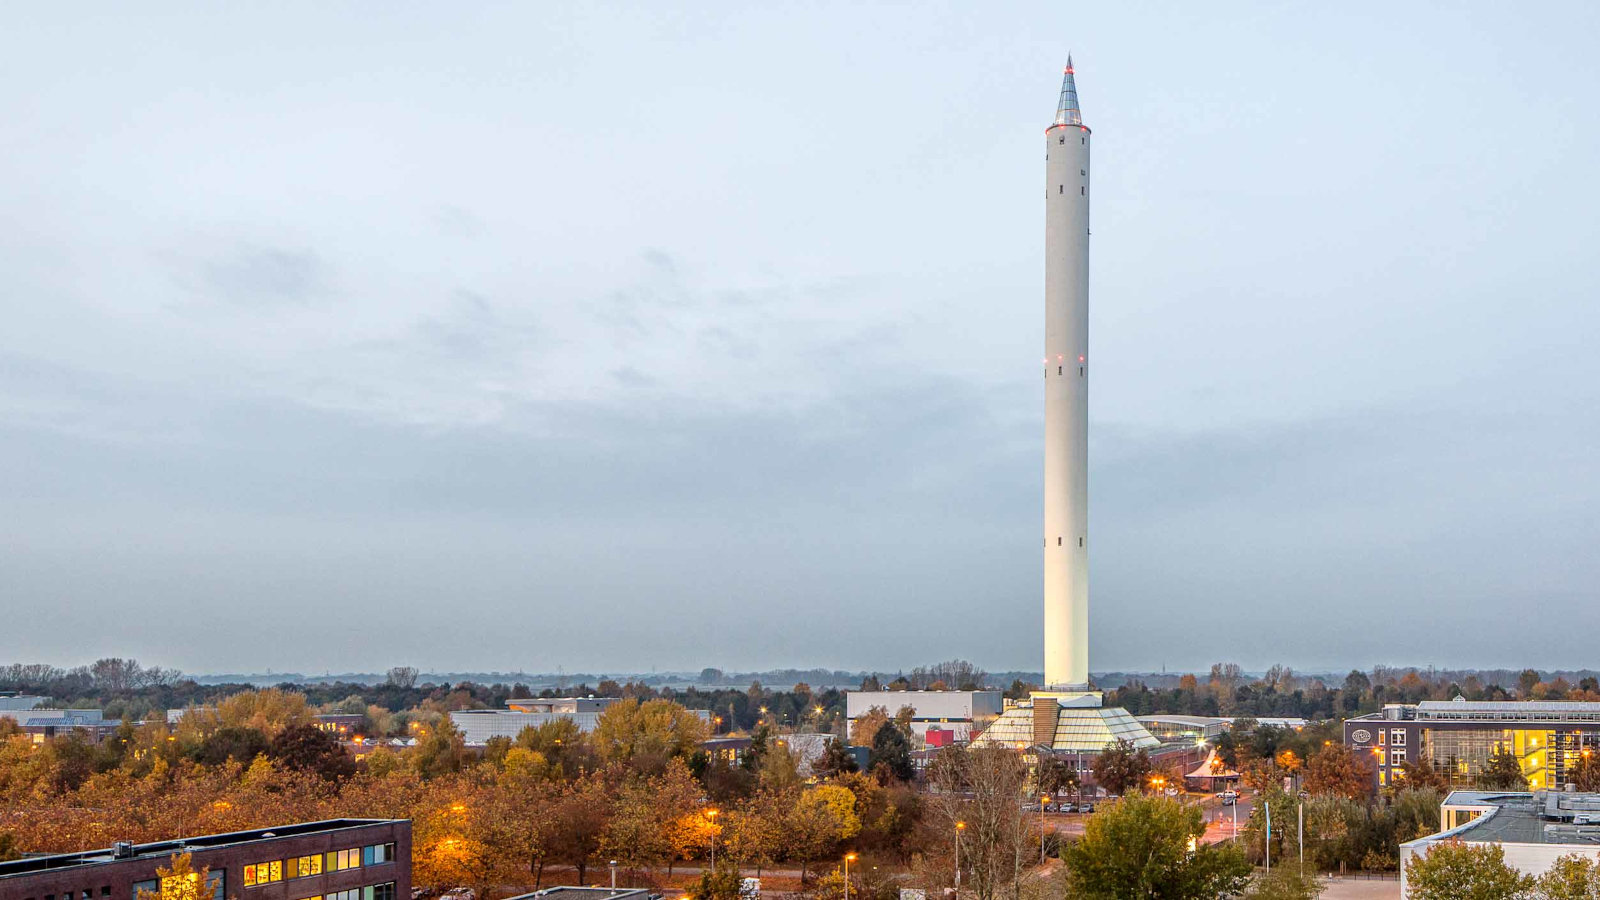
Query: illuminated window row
[
  {"x": 274, "y": 870},
  {"x": 263, "y": 873}
]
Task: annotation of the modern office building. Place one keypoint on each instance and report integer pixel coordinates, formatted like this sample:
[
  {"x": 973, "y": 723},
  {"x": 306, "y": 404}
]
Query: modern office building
[
  {"x": 1179, "y": 729},
  {"x": 1533, "y": 828},
  {"x": 339, "y": 859},
  {"x": 1457, "y": 737},
  {"x": 963, "y": 713}
]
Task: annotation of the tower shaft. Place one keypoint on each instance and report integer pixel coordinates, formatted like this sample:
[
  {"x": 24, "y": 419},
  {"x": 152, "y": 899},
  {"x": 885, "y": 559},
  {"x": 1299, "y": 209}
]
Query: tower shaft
[{"x": 1066, "y": 393}]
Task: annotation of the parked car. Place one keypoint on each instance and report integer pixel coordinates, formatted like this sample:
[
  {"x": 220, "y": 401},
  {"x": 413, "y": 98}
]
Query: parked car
[
  {"x": 460, "y": 893},
  {"x": 1086, "y": 808},
  {"x": 1229, "y": 797}
]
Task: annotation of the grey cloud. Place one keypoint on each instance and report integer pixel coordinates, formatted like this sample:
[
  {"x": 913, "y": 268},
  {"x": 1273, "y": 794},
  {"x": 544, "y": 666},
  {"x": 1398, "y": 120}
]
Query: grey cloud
[{"x": 266, "y": 277}]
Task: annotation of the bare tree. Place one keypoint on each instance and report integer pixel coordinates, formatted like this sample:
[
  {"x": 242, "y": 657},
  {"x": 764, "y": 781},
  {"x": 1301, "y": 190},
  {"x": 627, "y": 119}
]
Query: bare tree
[
  {"x": 982, "y": 794},
  {"x": 402, "y": 677}
]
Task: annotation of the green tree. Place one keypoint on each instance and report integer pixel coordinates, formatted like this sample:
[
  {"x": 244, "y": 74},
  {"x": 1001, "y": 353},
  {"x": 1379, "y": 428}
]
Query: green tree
[
  {"x": 240, "y": 744},
  {"x": 1451, "y": 870},
  {"x": 1571, "y": 877},
  {"x": 1140, "y": 847},
  {"x": 1120, "y": 768},
  {"x": 779, "y": 772},
  {"x": 1284, "y": 883},
  {"x": 1503, "y": 772},
  {"x": 834, "y": 761},
  {"x": 891, "y": 753},
  {"x": 721, "y": 883}
]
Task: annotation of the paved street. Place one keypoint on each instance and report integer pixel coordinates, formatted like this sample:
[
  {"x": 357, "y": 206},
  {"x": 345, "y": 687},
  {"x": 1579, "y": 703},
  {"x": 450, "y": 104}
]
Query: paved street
[{"x": 1220, "y": 819}]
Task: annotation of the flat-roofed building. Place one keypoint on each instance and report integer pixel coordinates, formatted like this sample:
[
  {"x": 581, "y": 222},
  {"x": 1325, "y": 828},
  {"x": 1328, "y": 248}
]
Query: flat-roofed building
[
  {"x": 1457, "y": 737},
  {"x": 1533, "y": 828},
  {"x": 477, "y": 726},
  {"x": 965, "y": 713},
  {"x": 562, "y": 705},
  {"x": 11, "y": 702},
  {"x": 338, "y": 859}
]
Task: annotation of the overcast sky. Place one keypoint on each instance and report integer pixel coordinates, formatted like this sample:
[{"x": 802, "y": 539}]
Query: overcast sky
[{"x": 606, "y": 337}]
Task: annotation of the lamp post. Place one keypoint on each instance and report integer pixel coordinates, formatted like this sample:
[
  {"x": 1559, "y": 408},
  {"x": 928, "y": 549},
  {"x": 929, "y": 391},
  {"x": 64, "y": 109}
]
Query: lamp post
[
  {"x": 711, "y": 816},
  {"x": 960, "y": 827},
  {"x": 847, "y": 858},
  {"x": 613, "y": 865},
  {"x": 1043, "y": 800}
]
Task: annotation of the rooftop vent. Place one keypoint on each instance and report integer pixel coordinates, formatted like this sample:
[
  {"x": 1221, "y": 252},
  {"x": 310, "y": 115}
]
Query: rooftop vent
[{"x": 122, "y": 850}]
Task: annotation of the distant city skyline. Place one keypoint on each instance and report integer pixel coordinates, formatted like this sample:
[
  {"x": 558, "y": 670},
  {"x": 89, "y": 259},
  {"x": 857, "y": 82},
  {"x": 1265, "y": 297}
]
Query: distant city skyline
[{"x": 626, "y": 336}]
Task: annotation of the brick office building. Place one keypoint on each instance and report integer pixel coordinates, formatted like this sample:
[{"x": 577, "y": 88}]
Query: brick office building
[{"x": 339, "y": 859}]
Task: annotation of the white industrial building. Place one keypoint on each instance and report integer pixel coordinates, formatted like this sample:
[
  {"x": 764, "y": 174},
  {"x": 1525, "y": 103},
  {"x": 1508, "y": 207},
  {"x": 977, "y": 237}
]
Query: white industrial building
[
  {"x": 1534, "y": 829},
  {"x": 11, "y": 704},
  {"x": 964, "y": 713},
  {"x": 477, "y": 726}
]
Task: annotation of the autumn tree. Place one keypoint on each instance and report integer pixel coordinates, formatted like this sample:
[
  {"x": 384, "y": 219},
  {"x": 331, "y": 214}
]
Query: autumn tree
[
  {"x": 756, "y": 831},
  {"x": 560, "y": 744},
  {"x": 646, "y": 735},
  {"x": 1139, "y": 846},
  {"x": 269, "y": 711},
  {"x": 307, "y": 748},
  {"x": 639, "y": 831},
  {"x": 578, "y": 823},
  {"x": 180, "y": 880},
  {"x": 821, "y": 819},
  {"x": 1452, "y": 870},
  {"x": 1335, "y": 772},
  {"x": 1121, "y": 768},
  {"x": 866, "y": 725}
]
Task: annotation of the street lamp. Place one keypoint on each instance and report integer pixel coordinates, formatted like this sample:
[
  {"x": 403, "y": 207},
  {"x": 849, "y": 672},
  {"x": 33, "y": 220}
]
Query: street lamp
[
  {"x": 847, "y": 858},
  {"x": 711, "y": 816},
  {"x": 1044, "y": 799},
  {"x": 960, "y": 827}
]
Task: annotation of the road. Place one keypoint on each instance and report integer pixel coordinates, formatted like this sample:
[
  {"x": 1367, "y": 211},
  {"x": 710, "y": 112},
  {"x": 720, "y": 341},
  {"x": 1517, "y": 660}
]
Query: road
[{"x": 1219, "y": 819}]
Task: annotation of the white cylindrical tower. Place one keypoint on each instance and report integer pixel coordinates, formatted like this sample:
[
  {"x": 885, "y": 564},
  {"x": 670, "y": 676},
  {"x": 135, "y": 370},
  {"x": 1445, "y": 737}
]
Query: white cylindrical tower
[{"x": 1066, "y": 396}]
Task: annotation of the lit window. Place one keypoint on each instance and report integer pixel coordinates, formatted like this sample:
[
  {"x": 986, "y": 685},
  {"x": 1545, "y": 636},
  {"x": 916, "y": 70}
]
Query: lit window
[{"x": 1397, "y": 737}]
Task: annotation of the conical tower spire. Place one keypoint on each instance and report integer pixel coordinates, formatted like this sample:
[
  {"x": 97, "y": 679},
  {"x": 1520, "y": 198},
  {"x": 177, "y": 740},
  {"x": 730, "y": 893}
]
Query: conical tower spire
[{"x": 1067, "y": 111}]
